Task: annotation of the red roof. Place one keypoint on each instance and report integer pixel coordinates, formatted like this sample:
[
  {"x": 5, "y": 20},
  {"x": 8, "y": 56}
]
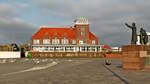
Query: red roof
[
  {"x": 107, "y": 47},
  {"x": 92, "y": 36},
  {"x": 51, "y": 32},
  {"x": 59, "y": 32}
]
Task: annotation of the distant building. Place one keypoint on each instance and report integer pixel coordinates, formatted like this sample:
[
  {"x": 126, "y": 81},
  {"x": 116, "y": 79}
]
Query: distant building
[
  {"x": 138, "y": 39},
  {"x": 116, "y": 49},
  {"x": 107, "y": 48},
  {"x": 9, "y": 47},
  {"x": 66, "y": 39}
]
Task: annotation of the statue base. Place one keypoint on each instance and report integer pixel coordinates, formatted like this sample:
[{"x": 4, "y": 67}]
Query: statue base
[{"x": 133, "y": 56}]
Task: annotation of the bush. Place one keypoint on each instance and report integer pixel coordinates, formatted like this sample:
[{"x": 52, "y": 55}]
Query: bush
[{"x": 28, "y": 55}]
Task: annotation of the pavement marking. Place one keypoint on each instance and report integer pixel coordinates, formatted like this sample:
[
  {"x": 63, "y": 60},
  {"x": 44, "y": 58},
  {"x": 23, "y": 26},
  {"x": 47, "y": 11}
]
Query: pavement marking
[
  {"x": 115, "y": 74},
  {"x": 33, "y": 69}
]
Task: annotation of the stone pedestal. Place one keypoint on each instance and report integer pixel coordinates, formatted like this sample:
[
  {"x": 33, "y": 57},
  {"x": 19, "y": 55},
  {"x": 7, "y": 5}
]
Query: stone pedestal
[{"x": 132, "y": 56}]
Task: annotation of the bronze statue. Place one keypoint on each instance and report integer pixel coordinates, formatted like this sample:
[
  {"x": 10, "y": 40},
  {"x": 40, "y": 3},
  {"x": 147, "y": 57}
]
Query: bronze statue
[
  {"x": 134, "y": 34},
  {"x": 143, "y": 37}
]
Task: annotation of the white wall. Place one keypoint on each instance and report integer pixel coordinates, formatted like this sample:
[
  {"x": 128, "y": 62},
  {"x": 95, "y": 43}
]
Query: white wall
[
  {"x": 7, "y": 54},
  {"x": 116, "y": 49}
]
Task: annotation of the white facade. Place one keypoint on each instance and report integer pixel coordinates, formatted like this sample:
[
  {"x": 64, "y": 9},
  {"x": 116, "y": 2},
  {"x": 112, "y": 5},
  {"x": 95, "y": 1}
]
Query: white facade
[
  {"x": 46, "y": 41},
  {"x": 64, "y": 41},
  {"x": 67, "y": 48},
  {"x": 62, "y": 45},
  {"x": 73, "y": 42},
  {"x": 36, "y": 41},
  {"x": 93, "y": 42},
  {"x": 55, "y": 41}
]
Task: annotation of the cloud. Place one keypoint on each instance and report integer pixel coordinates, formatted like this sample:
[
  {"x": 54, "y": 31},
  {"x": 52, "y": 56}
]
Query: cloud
[
  {"x": 22, "y": 5},
  {"x": 7, "y": 11},
  {"x": 107, "y": 17},
  {"x": 58, "y": 7},
  {"x": 12, "y": 27},
  {"x": 16, "y": 31}
]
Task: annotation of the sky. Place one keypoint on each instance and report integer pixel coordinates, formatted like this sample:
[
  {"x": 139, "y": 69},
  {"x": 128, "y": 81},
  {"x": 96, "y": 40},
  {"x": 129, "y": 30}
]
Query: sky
[{"x": 20, "y": 19}]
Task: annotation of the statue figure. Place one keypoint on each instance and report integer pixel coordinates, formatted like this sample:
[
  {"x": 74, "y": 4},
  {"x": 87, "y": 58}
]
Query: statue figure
[
  {"x": 143, "y": 37},
  {"x": 134, "y": 34}
]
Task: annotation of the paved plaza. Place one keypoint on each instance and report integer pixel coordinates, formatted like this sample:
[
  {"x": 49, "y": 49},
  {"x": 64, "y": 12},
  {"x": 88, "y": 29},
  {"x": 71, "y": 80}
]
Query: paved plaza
[{"x": 68, "y": 71}]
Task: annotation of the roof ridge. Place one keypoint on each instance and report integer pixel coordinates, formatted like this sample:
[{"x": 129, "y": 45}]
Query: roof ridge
[{"x": 55, "y": 27}]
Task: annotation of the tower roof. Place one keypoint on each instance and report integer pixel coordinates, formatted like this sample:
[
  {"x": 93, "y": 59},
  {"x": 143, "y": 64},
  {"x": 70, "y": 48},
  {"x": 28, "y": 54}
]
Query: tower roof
[{"x": 81, "y": 20}]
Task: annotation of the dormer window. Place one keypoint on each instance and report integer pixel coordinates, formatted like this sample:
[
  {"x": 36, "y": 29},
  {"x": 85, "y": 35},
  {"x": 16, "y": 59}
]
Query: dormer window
[
  {"x": 36, "y": 41},
  {"x": 46, "y": 41},
  {"x": 55, "y": 41},
  {"x": 93, "y": 42},
  {"x": 73, "y": 41},
  {"x": 64, "y": 41}
]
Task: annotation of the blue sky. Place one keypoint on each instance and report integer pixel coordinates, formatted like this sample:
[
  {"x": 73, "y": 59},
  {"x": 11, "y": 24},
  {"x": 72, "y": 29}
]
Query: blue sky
[{"x": 19, "y": 19}]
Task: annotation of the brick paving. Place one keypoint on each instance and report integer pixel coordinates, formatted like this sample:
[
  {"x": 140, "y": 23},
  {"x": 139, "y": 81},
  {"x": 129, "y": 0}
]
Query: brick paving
[
  {"x": 70, "y": 71},
  {"x": 132, "y": 76}
]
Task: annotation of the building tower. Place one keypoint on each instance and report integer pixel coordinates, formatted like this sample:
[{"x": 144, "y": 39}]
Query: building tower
[{"x": 82, "y": 31}]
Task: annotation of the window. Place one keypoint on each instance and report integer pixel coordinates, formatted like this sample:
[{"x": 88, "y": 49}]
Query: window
[
  {"x": 64, "y": 41},
  {"x": 82, "y": 33},
  {"x": 73, "y": 41},
  {"x": 82, "y": 29},
  {"x": 46, "y": 41},
  {"x": 55, "y": 41},
  {"x": 35, "y": 48},
  {"x": 93, "y": 42},
  {"x": 82, "y": 42},
  {"x": 36, "y": 41}
]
